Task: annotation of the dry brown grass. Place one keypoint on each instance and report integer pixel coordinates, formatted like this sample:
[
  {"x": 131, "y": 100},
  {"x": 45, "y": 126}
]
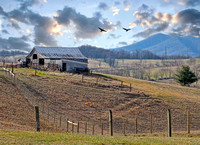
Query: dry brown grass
[{"x": 70, "y": 98}]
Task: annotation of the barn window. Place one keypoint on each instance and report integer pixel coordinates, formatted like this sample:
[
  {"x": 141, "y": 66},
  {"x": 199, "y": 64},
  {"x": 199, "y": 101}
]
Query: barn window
[
  {"x": 41, "y": 61},
  {"x": 34, "y": 56}
]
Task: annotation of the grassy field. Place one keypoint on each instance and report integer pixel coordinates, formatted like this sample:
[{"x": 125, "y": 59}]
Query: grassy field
[{"x": 16, "y": 137}]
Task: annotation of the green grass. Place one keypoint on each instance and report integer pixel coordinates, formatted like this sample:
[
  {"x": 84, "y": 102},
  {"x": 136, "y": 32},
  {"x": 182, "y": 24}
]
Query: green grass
[{"x": 19, "y": 137}]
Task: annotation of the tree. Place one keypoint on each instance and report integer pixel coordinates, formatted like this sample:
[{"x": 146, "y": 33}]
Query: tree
[{"x": 185, "y": 76}]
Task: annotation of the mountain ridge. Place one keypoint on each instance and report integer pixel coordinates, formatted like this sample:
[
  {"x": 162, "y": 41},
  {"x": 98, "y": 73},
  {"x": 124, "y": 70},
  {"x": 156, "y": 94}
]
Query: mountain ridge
[{"x": 162, "y": 44}]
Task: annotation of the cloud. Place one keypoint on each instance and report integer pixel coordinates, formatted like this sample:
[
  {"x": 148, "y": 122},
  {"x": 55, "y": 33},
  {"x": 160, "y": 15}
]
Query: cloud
[
  {"x": 156, "y": 28},
  {"x": 115, "y": 11},
  {"x": 116, "y": 3},
  {"x": 127, "y": 5},
  {"x": 103, "y": 6},
  {"x": 44, "y": 27},
  {"x": 4, "y": 31},
  {"x": 123, "y": 43},
  {"x": 113, "y": 36},
  {"x": 189, "y": 2},
  {"x": 183, "y": 23},
  {"x": 14, "y": 43},
  {"x": 84, "y": 27}
]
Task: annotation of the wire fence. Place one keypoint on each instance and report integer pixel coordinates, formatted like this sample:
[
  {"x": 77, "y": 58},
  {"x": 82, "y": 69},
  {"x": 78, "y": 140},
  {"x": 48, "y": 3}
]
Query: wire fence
[{"x": 75, "y": 121}]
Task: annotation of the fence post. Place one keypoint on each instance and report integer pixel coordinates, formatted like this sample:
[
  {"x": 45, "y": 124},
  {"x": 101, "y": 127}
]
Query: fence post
[
  {"x": 130, "y": 87},
  {"x": 169, "y": 123},
  {"x": 121, "y": 83},
  {"x": 78, "y": 127},
  {"x": 72, "y": 126},
  {"x": 12, "y": 68},
  {"x": 151, "y": 124},
  {"x": 85, "y": 127},
  {"x": 111, "y": 122},
  {"x": 67, "y": 125},
  {"x": 102, "y": 128},
  {"x": 37, "y": 116},
  {"x": 93, "y": 129},
  {"x": 135, "y": 125},
  {"x": 124, "y": 127},
  {"x": 82, "y": 78},
  {"x": 188, "y": 122},
  {"x": 60, "y": 121}
]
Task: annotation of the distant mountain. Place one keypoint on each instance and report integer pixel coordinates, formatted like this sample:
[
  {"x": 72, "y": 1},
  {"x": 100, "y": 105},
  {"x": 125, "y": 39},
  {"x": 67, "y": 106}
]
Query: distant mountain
[
  {"x": 6, "y": 53},
  {"x": 160, "y": 44}
]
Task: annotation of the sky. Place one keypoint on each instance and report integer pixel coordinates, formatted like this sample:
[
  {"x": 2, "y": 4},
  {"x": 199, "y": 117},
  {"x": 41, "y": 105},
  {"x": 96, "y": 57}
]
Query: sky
[{"x": 72, "y": 23}]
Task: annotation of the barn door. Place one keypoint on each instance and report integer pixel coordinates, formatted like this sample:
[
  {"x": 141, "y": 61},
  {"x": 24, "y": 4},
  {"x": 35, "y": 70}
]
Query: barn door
[{"x": 64, "y": 65}]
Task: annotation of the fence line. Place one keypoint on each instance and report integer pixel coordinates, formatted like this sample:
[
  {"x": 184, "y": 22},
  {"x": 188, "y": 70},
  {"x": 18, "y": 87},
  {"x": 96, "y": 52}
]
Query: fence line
[{"x": 69, "y": 122}]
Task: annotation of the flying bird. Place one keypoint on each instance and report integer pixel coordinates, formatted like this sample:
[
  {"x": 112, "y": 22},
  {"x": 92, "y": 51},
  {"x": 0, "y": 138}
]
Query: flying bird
[
  {"x": 126, "y": 29},
  {"x": 102, "y": 30}
]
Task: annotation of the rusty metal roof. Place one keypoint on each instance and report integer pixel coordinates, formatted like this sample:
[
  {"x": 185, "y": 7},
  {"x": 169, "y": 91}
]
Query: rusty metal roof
[{"x": 60, "y": 52}]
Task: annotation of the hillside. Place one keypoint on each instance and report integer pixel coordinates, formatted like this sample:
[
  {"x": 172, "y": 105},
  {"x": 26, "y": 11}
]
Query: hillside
[
  {"x": 160, "y": 44},
  {"x": 16, "y": 111},
  {"x": 68, "y": 97}
]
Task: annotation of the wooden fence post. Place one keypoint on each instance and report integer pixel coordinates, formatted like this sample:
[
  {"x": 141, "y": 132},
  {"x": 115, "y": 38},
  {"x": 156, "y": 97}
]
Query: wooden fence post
[
  {"x": 124, "y": 127},
  {"x": 72, "y": 126},
  {"x": 102, "y": 128},
  {"x": 85, "y": 127},
  {"x": 136, "y": 126},
  {"x": 93, "y": 129},
  {"x": 188, "y": 122},
  {"x": 37, "y": 116},
  {"x": 169, "y": 123},
  {"x": 121, "y": 83},
  {"x": 78, "y": 127},
  {"x": 111, "y": 122},
  {"x": 12, "y": 68},
  {"x": 151, "y": 124},
  {"x": 82, "y": 78},
  {"x": 67, "y": 125},
  {"x": 130, "y": 87}
]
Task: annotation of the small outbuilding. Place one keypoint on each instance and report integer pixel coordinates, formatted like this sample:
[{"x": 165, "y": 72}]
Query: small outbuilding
[{"x": 64, "y": 58}]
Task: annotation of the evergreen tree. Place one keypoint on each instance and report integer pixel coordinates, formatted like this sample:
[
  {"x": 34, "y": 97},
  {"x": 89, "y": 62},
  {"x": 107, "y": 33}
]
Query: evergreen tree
[{"x": 185, "y": 76}]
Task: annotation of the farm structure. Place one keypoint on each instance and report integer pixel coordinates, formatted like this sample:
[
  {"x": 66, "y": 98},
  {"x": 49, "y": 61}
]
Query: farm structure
[{"x": 63, "y": 58}]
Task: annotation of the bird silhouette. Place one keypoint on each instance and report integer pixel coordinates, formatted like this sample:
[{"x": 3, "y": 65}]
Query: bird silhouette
[
  {"x": 102, "y": 30},
  {"x": 126, "y": 29}
]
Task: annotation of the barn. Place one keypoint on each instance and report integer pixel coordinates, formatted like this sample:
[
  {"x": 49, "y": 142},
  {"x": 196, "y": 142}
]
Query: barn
[{"x": 64, "y": 58}]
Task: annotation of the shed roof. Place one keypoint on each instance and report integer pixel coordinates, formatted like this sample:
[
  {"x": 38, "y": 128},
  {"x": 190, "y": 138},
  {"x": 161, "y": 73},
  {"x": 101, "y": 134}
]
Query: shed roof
[{"x": 60, "y": 52}]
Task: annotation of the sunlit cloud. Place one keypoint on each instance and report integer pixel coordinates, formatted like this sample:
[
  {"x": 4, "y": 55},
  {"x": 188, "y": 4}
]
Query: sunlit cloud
[
  {"x": 132, "y": 25},
  {"x": 115, "y": 11}
]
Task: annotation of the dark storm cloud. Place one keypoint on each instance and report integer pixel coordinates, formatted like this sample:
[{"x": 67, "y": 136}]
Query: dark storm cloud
[
  {"x": 84, "y": 27},
  {"x": 103, "y": 6},
  {"x": 188, "y": 22},
  {"x": 189, "y": 16},
  {"x": 42, "y": 25},
  {"x": 13, "y": 43}
]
